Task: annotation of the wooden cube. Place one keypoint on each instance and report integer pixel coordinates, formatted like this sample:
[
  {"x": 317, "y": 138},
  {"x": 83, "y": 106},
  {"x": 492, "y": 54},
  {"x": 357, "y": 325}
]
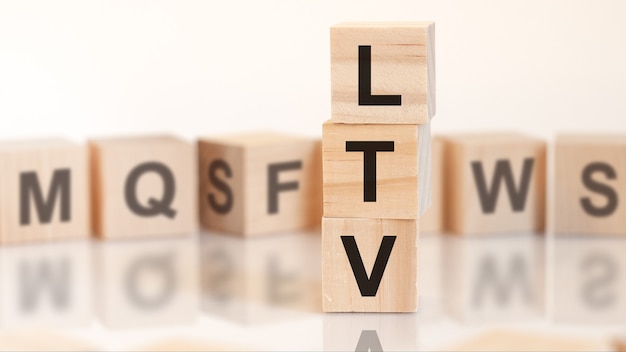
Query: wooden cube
[
  {"x": 260, "y": 183},
  {"x": 590, "y": 173},
  {"x": 46, "y": 339},
  {"x": 494, "y": 278},
  {"x": 524, "y": 340},
  {"x": 432, "y": 220},
  {"x": 376, "y": 171},
  {"x": 495, "y": 183},
  {"x": 262, "y": 280},
  {"x": 369, "y": 265},
  {"x": 148, "y": 282},
  {"x": 46, "y": 285},
  {"x": 193, "y": 343},
  {"x": 589, "y": 284},
  {"x": 143, "y": 186},
  {"x": 371, "y": 332},
  {"x": 45, "y": 191},
  {"x": 383, "y": 73}
]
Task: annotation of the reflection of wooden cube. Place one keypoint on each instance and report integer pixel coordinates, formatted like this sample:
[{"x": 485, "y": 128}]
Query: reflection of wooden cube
[
  {"x": 260, "y": 183},
  {"x": 383, "y": 73},
  {"x": 494, "y": 279},
  {"x": 369, "y": 265},
  {"x": 143, "y": 186},
  {"x": 494, "y": 183},
  {"x": 375, "y": 171},
  {"x": 430, "y": 262},
  {"x": 432, "y": 220},
  {"x": 148, "y": 282},
  {"x": 589, "y": 285},
  {"x": 46, "y": 285},
  {"x": 260, "y": 280},
  {"x": 44, "y": 191},
  {"x": 371, "y": 332},
  {"x": 589, "y": 178}
]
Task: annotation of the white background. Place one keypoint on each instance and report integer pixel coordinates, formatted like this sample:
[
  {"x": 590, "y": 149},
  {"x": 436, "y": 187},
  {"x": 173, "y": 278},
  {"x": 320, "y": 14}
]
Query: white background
[{"x": 86, "y": 68}]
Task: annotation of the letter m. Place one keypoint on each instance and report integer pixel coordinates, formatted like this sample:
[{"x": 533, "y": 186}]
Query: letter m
[
  {"x": 30, "y": 189},
  {"x": 502, "y": 173}
]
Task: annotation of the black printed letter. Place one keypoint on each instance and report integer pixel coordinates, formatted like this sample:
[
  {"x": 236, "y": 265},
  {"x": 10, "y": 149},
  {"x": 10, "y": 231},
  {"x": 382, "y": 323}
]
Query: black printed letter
[
  {"x": 274, "y": 186},
  {"x": 368, "y": 286},
  {"x": 369, "y": 150},
  {"x": 489, "y": 198},
  {"x": 157, "y": 207},
  {"x": 608, "y": 192},
  {"x": 60, "y": 185},
  {"x": 220, "y": 185},
  {"x": 365, "y": 82}
]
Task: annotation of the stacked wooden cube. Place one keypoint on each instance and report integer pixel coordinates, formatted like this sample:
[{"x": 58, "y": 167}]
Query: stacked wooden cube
[{"x": 376, "y": 155}]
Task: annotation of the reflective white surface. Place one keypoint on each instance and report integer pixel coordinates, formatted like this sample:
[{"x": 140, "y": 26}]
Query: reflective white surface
[{"x": 215, "y": 291}]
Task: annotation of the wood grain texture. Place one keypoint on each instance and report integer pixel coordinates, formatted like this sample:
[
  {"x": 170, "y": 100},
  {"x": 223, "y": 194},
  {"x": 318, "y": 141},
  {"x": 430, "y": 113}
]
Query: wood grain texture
[
  {"x": 248, "y": 184},
  {"x": 432, "y": 220},
  {"x": 398, "y": 173},
  {"x": 113, "y": 161},
  {"x": 464, "y": 212},
  {"x": 573, "y": 155},
  {"x": 398, "y": 288},
  {"x": 44, "y": 158},
  {"x": 402, "y": 63}
]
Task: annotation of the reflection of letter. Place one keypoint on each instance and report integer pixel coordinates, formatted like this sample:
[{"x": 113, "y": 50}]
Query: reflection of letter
[
  {"x": 59, "y": 187},
  {"x": 599, "y": 291},
  {"x": 369, "y": 150},
  {"x": 489, "y": 197},
  {"x": 503, "y": 285},
  {"x": 369, "y": 342},
  {"x": 220, "y": 185},
  {"x": 219, "y": 271},
  {"x": 157, "y": 207},
  {"x": 277, "y": 281},
  {"x": 274, "y": 186},
  {"x": 608, "y": 192},
  {"x": 34, "y": 280},
  {"x": 157, "y": 264}
]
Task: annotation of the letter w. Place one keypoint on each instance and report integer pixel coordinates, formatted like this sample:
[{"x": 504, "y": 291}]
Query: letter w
[
  {"x": 60, "y": 185},
  {"x": 489, "y": 197}
]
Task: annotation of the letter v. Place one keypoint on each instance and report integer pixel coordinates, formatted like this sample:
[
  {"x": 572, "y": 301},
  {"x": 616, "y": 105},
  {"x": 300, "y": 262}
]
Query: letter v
[{"x": 368, "y": 285}]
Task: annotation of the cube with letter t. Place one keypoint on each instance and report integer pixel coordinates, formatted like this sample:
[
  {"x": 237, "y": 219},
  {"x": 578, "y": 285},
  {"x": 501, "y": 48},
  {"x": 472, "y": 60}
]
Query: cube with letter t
[
  {"x": 372, "y": 171},
  {"x": 143, "y": 186},
  {"x": 44, "y": 192},
  {"x": 259, "y": 183}
]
